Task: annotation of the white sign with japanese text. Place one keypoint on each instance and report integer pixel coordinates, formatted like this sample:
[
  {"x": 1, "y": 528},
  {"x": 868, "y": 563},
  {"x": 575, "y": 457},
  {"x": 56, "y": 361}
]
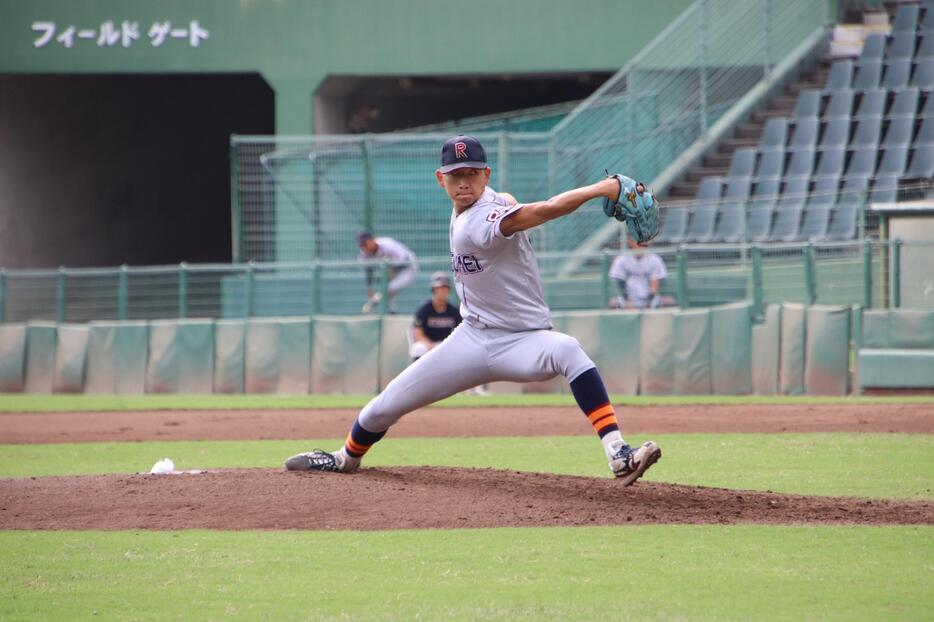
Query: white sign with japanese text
[{"x": 109, "y": 34}]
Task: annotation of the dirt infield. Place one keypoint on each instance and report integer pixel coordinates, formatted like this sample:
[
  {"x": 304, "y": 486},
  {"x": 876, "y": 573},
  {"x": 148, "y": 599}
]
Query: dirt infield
[
  {"x": 438, "y": 422},
  {"x": 408, "y": 498}
]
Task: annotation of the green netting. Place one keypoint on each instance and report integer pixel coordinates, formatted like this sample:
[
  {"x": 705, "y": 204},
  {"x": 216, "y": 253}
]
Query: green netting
[
  {"x": 792, "y": 350},
  {"x": 278, "y": 355},
  {"x": 229, "y": 337},
  {"x": 657, "y": 353},
  {"x": 303, "y": 197},
  {"x": 766, "y": 349},
  {"x": 395, "y": 335},
  {"x": 692, "y": 346},
  {"x": 40, "y": 357},
  {"x": 12, "y": 357},
  {"x": 71, "y": 350},
  {"x": 181, "y": 357},
  {"x": 827, "y": 352},
  {"x": 841, "y": 273},
  {"x": 346, "y": 355},
  {"x": 731, "y": 349},
  {"x": 117, "y": 356}
]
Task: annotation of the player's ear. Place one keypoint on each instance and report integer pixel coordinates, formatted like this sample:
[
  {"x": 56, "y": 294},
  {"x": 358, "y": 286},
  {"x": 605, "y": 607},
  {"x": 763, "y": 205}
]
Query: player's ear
[
  {"x": 486, "y": 174},
  {"x": 440, "y": 177}
]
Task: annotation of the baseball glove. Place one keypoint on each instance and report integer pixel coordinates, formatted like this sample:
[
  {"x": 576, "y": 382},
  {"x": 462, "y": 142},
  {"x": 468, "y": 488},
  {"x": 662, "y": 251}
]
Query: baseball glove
[{"x": 636, "y": 207}]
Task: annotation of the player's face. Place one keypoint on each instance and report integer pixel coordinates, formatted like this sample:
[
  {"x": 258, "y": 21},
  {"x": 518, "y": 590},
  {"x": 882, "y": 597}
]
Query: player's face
[
  {"x": 441, "y": 293},
  {"x": 464, "y": 185},
  {"x": 369, "y": 246}
]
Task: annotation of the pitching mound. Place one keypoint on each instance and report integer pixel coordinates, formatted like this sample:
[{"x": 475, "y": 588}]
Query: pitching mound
[{"x": 408, "y": 498}]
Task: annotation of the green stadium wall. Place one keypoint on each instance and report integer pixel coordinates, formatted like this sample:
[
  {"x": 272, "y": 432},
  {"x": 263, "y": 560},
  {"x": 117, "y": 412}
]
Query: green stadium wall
[
  {"x": 296, "y": 44},
  {"x": 797, "y": 349}
]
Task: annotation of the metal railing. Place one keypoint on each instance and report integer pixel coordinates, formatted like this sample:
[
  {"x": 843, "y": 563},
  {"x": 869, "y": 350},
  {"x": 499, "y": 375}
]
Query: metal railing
[
  {"x": 302, "y": 198},
  {"x": 867, "y": 273}
]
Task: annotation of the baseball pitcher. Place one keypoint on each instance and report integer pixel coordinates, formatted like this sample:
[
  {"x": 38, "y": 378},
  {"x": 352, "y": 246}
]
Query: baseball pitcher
[{"x": 507, "y": 330}]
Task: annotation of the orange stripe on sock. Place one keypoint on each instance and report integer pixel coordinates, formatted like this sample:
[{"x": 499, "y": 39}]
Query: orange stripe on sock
[
  {"x": 356, "y": 447},
  {"x": 605, "y": 423},
  {"x": 602, "y": 421},
  {"x": 596, "y": 415}
]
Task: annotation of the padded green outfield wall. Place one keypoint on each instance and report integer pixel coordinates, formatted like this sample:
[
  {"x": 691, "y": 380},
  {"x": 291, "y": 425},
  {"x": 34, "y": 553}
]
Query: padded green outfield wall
[
  {"x": 718, "y": 350},
  {"x": 296, "y": 44}
]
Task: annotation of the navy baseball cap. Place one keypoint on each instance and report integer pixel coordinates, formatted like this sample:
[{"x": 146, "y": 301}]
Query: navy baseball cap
[
  {"x": 462, "y": 152},
  {"x": 362, "y": 236}
]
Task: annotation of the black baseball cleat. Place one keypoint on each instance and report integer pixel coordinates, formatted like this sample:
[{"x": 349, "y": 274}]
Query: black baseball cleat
[
  {"x": 629, "y": 464},
  {"x": 317, "y": 460}
]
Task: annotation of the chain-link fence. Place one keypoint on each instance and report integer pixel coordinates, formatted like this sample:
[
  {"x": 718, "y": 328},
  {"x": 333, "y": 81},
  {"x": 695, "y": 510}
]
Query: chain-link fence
[
  {"x": 303, "y": 198},
  {"x": 869, "y": 273}
]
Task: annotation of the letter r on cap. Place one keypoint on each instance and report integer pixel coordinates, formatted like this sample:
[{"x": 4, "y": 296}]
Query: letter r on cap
[{"x": 460, "y": 150}]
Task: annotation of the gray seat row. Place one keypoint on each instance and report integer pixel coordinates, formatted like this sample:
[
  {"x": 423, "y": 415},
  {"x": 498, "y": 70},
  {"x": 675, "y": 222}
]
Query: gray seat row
[
  {"x": 775, "y": 213},
  {"x": 893, "y": 75}
]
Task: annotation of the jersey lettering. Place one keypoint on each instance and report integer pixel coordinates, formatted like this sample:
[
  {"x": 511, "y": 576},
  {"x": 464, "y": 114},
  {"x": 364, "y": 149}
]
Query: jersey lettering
[{"x": 465, "y": 264}]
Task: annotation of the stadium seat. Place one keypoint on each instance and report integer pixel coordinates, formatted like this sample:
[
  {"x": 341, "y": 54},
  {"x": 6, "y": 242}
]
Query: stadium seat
[
  {"x": 805, "y": 134},
  {"x": 840, "y": 76},
  {"x": 922, "y": 162},
  {"x": 831, "y": 163},
  {"x": 761, "y": 209},
  {"x": 906, "y": 103},
  {"x": 926, "y": 133},
  {"x": 923, "y": 77},
  {"x": 836, "y": 133},
  {"x": 872, "y": 104},
  {"x": 788, "y": 209},
  {"x": 899, "y": 132},
  {"x": 817, "y": 209},
  {"x": 801, "y": 163},
  {"x": 863, "y": 161},
  {"x": 846, "y": 212},
  {"x": 730, "y": 226},
  {"x": 885, "y": 190},
  {"x": 808, "y": 104},
  {"x": 928, "y": 22},
  {"x": 906, "y": 18},
  {"x": 705, "y": 208},
  {"x": 893, "y": 161},
  {"x": 897, "y": 73},
  {"x": 674, "y": 225},
  {"x": 775, "y": 134},
  {"x": 868, "y": 75},
  {"x": 873, "y": 48},
  {"x": 926, "y": 49},
  {"x": 868, "y": 132},
  {"x": 902, "y": 46},
  {"x": 840, "y": 104},
  {"x": 771, "y": 163},
  {"x": 743, "y": 163}
]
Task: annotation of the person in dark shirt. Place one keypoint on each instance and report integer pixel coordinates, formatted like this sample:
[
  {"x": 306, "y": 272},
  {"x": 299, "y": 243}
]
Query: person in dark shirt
[{"x": 435, "y": 319}]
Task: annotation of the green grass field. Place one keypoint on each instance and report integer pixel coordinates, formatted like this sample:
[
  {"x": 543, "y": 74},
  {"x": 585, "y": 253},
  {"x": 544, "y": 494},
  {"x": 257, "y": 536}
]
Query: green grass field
[
  {"x": 63, "y": 403},
  {"x": 660, "y": 572}
]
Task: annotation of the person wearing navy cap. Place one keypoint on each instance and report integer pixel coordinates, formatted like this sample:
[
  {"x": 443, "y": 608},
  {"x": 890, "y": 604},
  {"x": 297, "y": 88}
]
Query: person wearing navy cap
[{"x": 506, "y": 332}]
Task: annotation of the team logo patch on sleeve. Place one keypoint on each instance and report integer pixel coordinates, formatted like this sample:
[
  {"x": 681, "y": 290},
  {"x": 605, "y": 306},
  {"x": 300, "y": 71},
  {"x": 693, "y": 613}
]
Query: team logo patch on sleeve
[{"x": 492, "y": 216}]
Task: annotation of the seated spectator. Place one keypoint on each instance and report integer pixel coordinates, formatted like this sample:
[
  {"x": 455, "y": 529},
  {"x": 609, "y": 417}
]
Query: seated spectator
[{"x": 638, "y": 275}]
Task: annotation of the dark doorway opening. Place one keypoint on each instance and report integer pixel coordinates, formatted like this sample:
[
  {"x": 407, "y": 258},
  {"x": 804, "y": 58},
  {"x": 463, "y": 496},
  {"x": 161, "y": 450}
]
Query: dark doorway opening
[
  {"x": 355, "y": 104},
  {"x": 101, "y": 170}
]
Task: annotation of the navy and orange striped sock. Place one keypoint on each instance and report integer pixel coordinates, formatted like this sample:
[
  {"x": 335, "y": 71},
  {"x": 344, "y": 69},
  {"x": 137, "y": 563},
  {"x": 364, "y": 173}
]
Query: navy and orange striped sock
[
  {"x": 360, "y": 440},
  {"x": 591, "y": 396}
]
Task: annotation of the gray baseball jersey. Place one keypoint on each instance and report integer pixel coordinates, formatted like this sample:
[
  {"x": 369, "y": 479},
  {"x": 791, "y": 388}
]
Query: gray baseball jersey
[
  {"x": 497, "y": 278},
  {"x": 394, "y": 250},
  {"x": 506, "y": 333}
]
